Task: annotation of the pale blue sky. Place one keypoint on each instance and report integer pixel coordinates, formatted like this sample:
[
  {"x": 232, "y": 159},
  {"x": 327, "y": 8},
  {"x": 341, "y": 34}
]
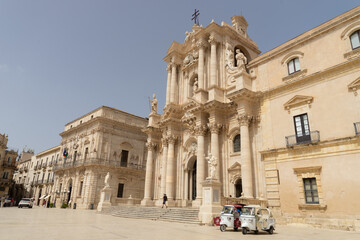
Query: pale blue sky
[{"x": 62, "y": 59}]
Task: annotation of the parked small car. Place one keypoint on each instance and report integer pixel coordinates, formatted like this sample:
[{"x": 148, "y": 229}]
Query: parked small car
[
  {"x": 26, "y": 202},
  {"x": 8, "y": 202}
]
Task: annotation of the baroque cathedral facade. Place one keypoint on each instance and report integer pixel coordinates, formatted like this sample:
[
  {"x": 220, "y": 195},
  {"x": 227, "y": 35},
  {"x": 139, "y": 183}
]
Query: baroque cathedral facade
[{"x": 280, "y": 129}]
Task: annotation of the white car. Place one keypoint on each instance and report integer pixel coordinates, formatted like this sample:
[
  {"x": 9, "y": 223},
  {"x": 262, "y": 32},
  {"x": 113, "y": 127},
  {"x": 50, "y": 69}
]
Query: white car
[{"x": 26, "y": 202}]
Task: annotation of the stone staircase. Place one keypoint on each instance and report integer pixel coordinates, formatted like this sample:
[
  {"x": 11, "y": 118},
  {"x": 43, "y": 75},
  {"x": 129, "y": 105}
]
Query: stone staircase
[{"x": 183, "y": 215}]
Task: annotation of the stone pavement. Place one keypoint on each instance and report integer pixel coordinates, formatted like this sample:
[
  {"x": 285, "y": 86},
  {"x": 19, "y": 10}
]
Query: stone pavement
[{"x": 52, "y": 224}]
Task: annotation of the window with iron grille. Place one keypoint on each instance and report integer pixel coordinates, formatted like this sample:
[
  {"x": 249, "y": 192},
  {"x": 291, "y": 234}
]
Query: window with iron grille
[
  {"x": 237, "y": 143},
  {"x": 355, "y": 39},
  {"x": 310, "y": 190},
  {"x": 294, "y": 65}
]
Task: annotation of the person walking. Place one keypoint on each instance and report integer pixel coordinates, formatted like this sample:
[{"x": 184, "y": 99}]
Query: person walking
[{"x": 164, "y": 201}]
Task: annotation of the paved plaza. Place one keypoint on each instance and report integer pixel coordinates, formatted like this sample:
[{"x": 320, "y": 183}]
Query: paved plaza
[{"x": 43, "y": 223}]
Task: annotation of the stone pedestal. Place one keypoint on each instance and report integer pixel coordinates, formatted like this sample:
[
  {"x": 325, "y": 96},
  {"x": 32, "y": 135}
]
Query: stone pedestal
[
  {"x": 243, "y": 80},
  {"x": 216, "y": 93},
  {"x": 104, "y": 199},
  {"x": 201, "y": 95},
  {"x": 154, "y": 119},
  {"x": 210, "y": 207}
]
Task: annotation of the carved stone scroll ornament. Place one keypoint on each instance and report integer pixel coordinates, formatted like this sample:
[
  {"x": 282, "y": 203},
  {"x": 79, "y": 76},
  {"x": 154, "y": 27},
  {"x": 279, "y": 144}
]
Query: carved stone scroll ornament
[
  {"x": 244, "y": 119},
  {"x": 150, "y": 145}
]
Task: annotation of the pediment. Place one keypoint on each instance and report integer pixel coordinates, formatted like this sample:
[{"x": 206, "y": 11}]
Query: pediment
[
  {"x": 174, "y": 47},
  {"x": 297, "y": 101},
  {"x": 353, "y": 86},
  {"x": 235, "y": 167}
]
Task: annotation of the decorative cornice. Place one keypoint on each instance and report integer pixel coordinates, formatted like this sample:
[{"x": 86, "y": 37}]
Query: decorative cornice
[
  {"x": 298, "y": 100},
  {"x": 354, "y": 86},
  {"x": 315, "y": 169},
  {"x": 295, "y": 76}
]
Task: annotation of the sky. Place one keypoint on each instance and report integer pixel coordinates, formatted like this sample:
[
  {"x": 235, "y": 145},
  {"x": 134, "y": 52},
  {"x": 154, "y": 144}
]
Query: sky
[{"x": 62, "y": 59}]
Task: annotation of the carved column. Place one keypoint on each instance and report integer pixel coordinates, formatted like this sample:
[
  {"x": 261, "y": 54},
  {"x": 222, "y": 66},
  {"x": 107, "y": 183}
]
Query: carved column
[
  {"x": 170, "y": 168},
  {"x": 163, "y": 168},
  {"x": 213, "y": 63},
  {"x": 149, "y": 170},
  {"x": 168, "y": 84},
  {"x": 173, "y": 83},
  {"x": 246, "y": 172},
  {"x": 215, "y": 130},
  {"x": 201, "y": 167},
  {"x": 201, "y": 46}
]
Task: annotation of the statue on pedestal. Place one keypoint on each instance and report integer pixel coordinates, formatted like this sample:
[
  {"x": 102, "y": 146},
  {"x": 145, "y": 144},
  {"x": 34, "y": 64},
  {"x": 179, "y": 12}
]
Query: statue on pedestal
[
  {"x": 154, "y": 103},
  {"x": 212, "y": 165},
  {"x": 241, "y": 60},
  {"x": 107, "y": 177}
]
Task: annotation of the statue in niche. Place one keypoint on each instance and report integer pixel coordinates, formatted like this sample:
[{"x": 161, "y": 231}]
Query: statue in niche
[
  {"x": 153, "y": 104},
  {"x": 107, "y": 177},
  {"x": 196, "y": 84},
  {"x": 212, "y": 165},
  {"x": 241, "y": 60}
]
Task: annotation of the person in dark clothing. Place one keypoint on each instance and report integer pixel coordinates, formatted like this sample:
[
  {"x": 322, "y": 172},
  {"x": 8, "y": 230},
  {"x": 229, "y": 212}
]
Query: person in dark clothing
[{"x": 164, "y": 201}]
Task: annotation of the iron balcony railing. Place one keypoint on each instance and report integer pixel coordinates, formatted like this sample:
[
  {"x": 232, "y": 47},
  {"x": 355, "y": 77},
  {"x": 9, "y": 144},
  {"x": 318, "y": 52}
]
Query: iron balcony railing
[
  {"x": 294, "y": 140},
  {"x": 96, "y": 161},
  {"x": 357, "y": 128}
]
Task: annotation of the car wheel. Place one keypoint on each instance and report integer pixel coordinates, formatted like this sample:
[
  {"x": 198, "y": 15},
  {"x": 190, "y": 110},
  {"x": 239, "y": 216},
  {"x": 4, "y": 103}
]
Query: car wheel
[
  {"x": 256, "y": 231},
  {"x": 244, "y": 231},
  {"x": 30, "y": 206},
  {"x": 18, "y": 206},
  {"x": 235, "y": 229},
  {"x": 223, "y": 227},
  {"x": 271, "y": 230}
]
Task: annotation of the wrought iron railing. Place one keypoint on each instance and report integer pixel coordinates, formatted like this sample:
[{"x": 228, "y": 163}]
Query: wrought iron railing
[
  {"x": 293, "y": 140},
  {"x": 357, "y": 128},
  {"x": 96, "y": 161}
]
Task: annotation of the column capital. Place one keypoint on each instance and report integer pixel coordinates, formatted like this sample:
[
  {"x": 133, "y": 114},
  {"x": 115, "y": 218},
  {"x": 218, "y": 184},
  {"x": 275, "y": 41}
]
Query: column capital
[
  {"x": 215, "y": 127},
  {"x": 201, "y": 130},
  {"x": 150, "y": 145},
  {"x": 171, "y": 139},
  {"x": 213, "y": 39},
  {"x": 201, "y": 43},
  {"x": 244, "y": 119},
  {"x": 164, "y": 141},
  {"x": 168, "y": 67}
]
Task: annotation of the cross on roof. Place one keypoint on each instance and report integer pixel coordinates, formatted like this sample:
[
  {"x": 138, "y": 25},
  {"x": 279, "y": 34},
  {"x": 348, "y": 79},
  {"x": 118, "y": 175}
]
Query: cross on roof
[{"x": 195, "y": 17}]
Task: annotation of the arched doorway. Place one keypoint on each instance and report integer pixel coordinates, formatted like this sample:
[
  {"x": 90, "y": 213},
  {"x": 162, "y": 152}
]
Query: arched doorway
[
  {"x": 69, "y": 191},
  {"x": 238, "y": 188},
  {"x": 193, "y": 182}
]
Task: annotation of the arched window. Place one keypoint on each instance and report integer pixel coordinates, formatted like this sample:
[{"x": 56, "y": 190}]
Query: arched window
[
  {"x": 236, "y": 143},
  {"x": 355, "y": 39},
  {"x": 294, "y": 65}
]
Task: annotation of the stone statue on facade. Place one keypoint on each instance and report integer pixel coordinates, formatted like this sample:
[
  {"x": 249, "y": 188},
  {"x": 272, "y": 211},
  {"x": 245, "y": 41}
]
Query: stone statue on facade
[
  {"x": 107, "y": 177},
  {"x": 241, "y": 60},
  {"x": 196, "y": 84},
  {"x": 153, "y": 104},
  {"x": 212, "y": 165}
]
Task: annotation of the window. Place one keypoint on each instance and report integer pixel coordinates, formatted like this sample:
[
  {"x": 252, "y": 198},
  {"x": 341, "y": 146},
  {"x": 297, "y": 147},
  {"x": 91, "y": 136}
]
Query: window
[
  {"x": 355, "y": 39},
  {"x": 124, "y": 158},
  {"x": 310, "y": 189},
  {"x": 5, "y": 175},
  {"x": 9, "y": 160},
  {"x": 86, "y": 152},
  {"x": 302, "y": 129},
  {"x": 294, "y": 65},
  {"x": 120, "y": 190},
  {"x": 237, "y": 143},
  {"x": 81, "y": 187},
  {"x": 75, "y": 153}
]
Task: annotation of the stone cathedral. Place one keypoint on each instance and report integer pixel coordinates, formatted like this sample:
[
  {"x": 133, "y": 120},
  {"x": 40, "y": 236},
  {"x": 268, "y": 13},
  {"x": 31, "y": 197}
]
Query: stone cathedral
[{"x": 240, "y": 127}]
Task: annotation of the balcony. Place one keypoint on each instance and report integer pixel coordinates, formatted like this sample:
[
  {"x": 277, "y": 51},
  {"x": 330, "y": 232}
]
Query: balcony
[
  {"x": 293, "y": 140},
  {"x": 96, "y": 162},
  {"x": 357, "y": 128},
  {"x": 5, "y": 181},
  {"x": 21, "y": 169},
  {"x": 8, "y": 165},
  {"x": 26, "y": 169},
  {"x": 43, "y": 166}
]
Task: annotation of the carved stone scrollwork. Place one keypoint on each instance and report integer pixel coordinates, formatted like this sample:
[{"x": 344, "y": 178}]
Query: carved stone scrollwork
[
  {"x": 201, "y": 43},
  {"x": 201, "y": 130},
  {"x": 244, "y": 120},
  {"x": 215, "y": 127},
  {"x": 212, "y": 40},
  {"x": 164, "y": 141}
]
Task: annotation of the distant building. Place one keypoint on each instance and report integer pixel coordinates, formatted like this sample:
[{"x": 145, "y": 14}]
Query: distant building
[
  {"x": 104, "y": 140},
  {"x": 7, "y": 166},
  {"x": 21, "y": 175}
]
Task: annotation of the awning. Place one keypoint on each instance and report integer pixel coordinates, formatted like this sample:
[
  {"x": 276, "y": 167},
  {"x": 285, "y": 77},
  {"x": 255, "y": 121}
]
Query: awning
[
  {"x": 42, "y": 196},
  {"x": 47, "y": 197}
]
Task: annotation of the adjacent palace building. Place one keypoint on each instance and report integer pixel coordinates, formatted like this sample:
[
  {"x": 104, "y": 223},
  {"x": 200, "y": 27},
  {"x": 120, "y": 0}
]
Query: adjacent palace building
[{"x": 280, "y": 129}]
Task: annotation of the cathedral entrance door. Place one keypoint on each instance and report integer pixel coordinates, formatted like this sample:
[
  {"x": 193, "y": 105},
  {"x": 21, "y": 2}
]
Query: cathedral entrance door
[{"x": 193, "y": 183}]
